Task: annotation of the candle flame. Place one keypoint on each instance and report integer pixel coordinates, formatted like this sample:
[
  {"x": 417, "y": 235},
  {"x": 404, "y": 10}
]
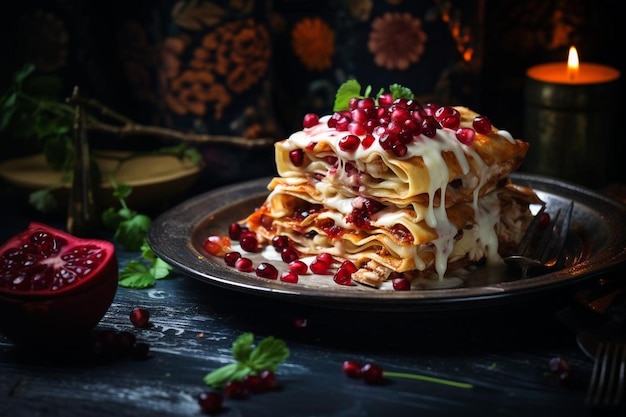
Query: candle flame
[{"x": 573, "y": 65}]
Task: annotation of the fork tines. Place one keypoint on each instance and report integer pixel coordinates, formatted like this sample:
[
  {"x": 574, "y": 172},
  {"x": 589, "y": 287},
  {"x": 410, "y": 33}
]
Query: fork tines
[{"x": 606, "y": 388}]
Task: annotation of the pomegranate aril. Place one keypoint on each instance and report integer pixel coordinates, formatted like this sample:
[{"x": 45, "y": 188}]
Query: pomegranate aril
[
  {"x": 326, "y": 258},
  {"x": 451, "y": 122},
  {"x": 139, "y": 317},
  {"x": 351, "y": 369},
  {"x": 296, "y": 157},
  {"x": 289, "y": 254},
  {"x": 253, "y": 383},
  {"x": 372, "y": 373},
  {"x": 482, "y": 125},
  {"x": 466, "y": 135},
  {"x": 367, "y": 141},
  {"x": 216, "y": 245},
  {"x": 244, "y": 264},
  {"x": 401, "y": 284},
  {"x": 231, "y": 257},
  {"x": 298, "y": 267},
  {"x": 210, "y": 402},
  {"x": 544, "y": 221},
  {"x": 249, "y": 243},
  {"x": 385, "y": 99},
  {"x": 290, "y": 277},
  {"x": 349, "y": 266},
  {"x": 310, "y": 120},
  {"x": 280, "y": 242},
  {"x": 235, "y": 389},
  {"x": 266, "y": 270},
  {"x": 234, "y": 231},
  {"x": 269, "y": 380},
  {"x": 349, "y": 143},
  {"x": 319, "y": 267},
  {"x": 343, "y": 277}
]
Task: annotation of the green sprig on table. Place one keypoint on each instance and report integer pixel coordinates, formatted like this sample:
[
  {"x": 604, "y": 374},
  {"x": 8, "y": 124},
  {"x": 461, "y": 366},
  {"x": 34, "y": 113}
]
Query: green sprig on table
[{"x": 249, "y": 359}]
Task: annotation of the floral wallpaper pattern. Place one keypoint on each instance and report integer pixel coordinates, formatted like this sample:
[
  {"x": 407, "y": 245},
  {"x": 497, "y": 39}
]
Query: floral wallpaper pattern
[{"x": 253, "y": 68}]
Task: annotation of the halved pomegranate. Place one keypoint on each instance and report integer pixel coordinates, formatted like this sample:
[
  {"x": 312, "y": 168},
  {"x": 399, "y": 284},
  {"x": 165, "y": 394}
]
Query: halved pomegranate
[{"x": 54, "y": 285}]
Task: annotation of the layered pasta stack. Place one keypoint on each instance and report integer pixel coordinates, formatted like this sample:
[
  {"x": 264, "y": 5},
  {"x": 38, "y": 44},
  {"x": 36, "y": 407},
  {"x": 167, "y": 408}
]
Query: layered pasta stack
[{"x": 398, "y": 188}]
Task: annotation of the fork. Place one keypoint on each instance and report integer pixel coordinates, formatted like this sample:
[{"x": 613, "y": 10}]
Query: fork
[
  {"x": 606, "y": 388},
  {"x": 541, "y": 249}
]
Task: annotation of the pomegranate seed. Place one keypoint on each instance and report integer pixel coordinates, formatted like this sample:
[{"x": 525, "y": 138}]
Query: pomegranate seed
[
  {"x": 349, "y": 266},
  {"x": 326, "y": 258},
  {"x": 216, "y": 245},
  {"x": 231, "y": 257},
  {"x": 235, "y": 390},
  {"x": 319, "y": 267},
  {"x": 372, "y": 373},
  {"x": 296, "y": 157},
  {"x": 466, "y": 135},
  {"x": 349, "y": 143},
  {"x": 300, "y": 322},
  {"x": 244, "y": 265},
  {"x": 366, "y": 103},
  {"x": 265, "y": 270},
  {"x": 385, "y": 99},
  {"x": 234, "y": 231},
  {"x": 289, "y": 254},
  {"x": 249, "y": 243},
  {"x": 401, "y": 284},
  {"x": 482, "y": 125},
  {"x": 352, "y": 369},
  {"x": 544, "y": 221},
  {"x": 451, "y": 122},
  {"x": 343, "y": 277},
  {"x": 210, "y": 402},
  {"x": 280, "y": 241},
  {"x": 367, "y": 141},
  {"x": 558, "y": 364},
  {"x": 310, "y": 120},
  {"x": 289, "y": 277},
  {"x": 399, "y": 149},
  {"x": 430, "y": 109},
  {"x": 269, "y": 380},
  {"x": 353, "y": 103},
  {"x": 253, "y": 383},
  {"x": 429, "y": 127},
  {"x": 139, "y": 317},
  {"x": 298, "y": 267},
  {"x": 359, "y": 116}
]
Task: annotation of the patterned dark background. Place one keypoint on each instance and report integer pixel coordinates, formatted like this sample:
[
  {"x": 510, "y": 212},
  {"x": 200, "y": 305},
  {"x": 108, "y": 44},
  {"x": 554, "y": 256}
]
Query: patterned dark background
[{"x": 254, "y": 67}]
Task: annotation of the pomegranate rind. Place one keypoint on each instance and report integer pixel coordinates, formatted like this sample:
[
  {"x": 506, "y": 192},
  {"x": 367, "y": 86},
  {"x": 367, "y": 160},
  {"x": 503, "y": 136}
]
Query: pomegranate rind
[{"x": 27, "y": 316}]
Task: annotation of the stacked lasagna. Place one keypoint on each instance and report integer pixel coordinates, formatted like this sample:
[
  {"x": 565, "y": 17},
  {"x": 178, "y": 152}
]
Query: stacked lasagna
[{"x": 399, "y": 188}]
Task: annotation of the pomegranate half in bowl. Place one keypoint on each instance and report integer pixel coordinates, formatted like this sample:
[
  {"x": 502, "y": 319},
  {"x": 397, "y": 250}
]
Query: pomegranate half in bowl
[{"x": 54, "y": 285}]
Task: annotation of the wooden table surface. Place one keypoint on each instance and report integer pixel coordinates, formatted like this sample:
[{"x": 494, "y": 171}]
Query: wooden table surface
[{"x": 503, "y": 352}]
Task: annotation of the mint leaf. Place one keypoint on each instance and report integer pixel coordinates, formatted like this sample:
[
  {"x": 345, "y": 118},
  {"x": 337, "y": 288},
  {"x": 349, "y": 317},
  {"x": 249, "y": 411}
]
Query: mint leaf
[
  {"x": 242, "y": 347},
  {"x": 136, "y": 275},
  {"x": 399, "y": 91},
  {"x": 131, "y": 233},
  {"x": 345, "y": 92},
  {"x": 160, "y": 269},
  {"x": 267, "y": 355}
]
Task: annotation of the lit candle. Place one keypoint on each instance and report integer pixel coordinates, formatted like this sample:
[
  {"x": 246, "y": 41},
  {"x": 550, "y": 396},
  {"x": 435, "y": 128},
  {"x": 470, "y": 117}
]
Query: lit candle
[
  {"x": 570, "y": 119},
  {"x": 573, "y": 71}
]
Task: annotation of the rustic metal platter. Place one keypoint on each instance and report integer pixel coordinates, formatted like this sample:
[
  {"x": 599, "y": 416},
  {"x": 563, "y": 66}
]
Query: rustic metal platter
[{"x": 596, "y": 244}]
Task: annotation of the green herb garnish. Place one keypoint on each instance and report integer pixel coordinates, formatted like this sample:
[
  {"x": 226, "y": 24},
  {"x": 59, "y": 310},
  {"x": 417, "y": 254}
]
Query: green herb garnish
[
  {"x": 144, "y": 273},
  {"x": 352, "y": 88},
  {"x": 267, "y": 355}
]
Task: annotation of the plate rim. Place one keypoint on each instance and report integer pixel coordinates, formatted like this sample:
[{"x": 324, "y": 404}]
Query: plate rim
[{"x": 179, "y": 223}]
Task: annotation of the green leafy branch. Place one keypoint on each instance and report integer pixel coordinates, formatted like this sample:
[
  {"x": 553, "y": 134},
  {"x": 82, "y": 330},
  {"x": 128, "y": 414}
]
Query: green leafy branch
[
  {"x": 130, "y": 229},
  {"x": 249, "y": 360}
]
